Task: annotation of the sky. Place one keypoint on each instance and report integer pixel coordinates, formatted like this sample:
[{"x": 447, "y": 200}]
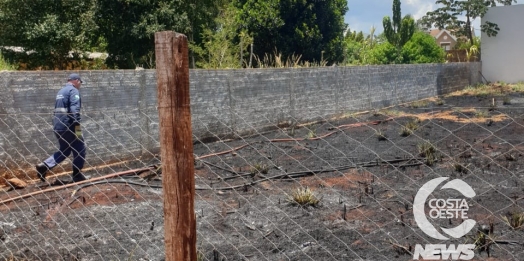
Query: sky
[{"x": 363, "y": 14}]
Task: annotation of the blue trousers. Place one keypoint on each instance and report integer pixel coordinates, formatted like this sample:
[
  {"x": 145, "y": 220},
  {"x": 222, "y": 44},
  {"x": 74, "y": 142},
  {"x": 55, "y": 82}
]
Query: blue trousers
[{"x": 68, "y": 143}]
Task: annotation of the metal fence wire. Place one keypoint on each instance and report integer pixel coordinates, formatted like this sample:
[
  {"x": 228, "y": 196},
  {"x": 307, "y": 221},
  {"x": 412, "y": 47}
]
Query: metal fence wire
[{"x": 342, "y": 187}]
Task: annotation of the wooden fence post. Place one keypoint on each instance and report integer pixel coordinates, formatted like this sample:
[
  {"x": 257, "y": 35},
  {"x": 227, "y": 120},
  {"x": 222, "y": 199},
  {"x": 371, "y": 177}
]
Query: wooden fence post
[{"x": 176, "y": 146}]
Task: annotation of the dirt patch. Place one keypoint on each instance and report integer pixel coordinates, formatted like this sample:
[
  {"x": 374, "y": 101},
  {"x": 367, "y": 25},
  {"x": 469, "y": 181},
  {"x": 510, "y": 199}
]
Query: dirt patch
[{"x": 366, "y": 186}]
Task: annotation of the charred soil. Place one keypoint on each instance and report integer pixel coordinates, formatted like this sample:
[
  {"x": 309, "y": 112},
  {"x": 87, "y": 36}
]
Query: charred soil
[{"x": 364, "y": 169}]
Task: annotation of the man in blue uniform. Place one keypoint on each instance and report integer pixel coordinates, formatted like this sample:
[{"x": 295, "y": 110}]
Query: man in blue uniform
[{"x": 66, "y": 125}]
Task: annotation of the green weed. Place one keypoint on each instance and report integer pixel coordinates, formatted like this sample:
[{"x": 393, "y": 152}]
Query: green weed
[
  {"x": 259, "y": 168},
  {"x": 303, "y": 197},
  {"x": 514, "y": 219},
  {"x": 428, "y": 151},
  {"x": 419, "y": 104},
  {"x": 409, "y": 128}
]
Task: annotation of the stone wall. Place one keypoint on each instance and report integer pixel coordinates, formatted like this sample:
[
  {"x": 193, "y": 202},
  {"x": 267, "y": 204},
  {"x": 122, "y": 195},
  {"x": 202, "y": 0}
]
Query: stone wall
[{"x": 120, "y": 118}]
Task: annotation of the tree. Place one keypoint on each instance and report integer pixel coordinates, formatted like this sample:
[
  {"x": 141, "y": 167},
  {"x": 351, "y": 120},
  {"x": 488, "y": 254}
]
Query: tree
[
  {"x": 223, "y": 46},
  {"x": 49, "y": 30},
  {"x": 382, "y": 53},
  {"x": 129, "y": 27},
  {"x": 310, "y": 28},
  {"x": 448, "y": 16},
  {"x": 357, "y": 46},
  {"x": 422, "y": 48},
  {"x": 201, "y": 15},
  {"x": 399, "y": 31}
]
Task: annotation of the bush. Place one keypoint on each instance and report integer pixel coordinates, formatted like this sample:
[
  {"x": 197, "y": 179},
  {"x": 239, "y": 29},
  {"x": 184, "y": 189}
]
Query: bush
[
  {"x": 422, "y": 48},
  {"x": 303, "y": 197},
  {"x": 5, "y": 65},
  {"x": 383, "y": 53}
]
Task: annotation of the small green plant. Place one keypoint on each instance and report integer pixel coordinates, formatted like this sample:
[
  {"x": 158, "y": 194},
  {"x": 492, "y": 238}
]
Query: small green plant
[
  {"x": 409, "y": 128},
  {"x": 391, "y": 112},
  {"x": 472, "y": 53},
  {"x": 200, "y": 256},
  {"x": 311, "y": 134},
  {"x": 460, "y": 168},
  {"x": 419, "y": 104},
  {"x": 483, "y": 242},
  {"x": 412, "y": 125},
  {"x": 428, "y": 151},
  {"x": 259, "y": 168},
  {"x": 303, "y": 197},
  {"x": 426, "y": 148},
  {"x": 481, "y": 90},
  {"x": 380, "y": 135},
  {"x": 514, "y": 219},
  {"x": 439, "y": 102},
  {"x": 405, "y": 131},
  {"x": 5, "y": 65},
  {"x": 291, "y": 131},
  {"x": 484, "y": 238},
  {"x": 276, "y": 60},
  {"x": 518, "y": 87},
  {"x": 481, "y": 114}
]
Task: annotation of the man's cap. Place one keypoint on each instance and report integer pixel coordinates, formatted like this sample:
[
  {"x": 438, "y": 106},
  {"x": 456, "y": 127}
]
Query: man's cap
[{"x": 74, "y": 76}]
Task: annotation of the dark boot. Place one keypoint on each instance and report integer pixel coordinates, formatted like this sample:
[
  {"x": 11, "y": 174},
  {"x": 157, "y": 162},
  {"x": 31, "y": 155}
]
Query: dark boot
[
  {"x": 78, "y": 177},
  {"x": 41, "y": 170}
]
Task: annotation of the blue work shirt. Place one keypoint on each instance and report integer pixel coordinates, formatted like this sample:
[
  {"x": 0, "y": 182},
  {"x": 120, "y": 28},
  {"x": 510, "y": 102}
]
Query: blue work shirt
[{"x": 67, "y": 109}]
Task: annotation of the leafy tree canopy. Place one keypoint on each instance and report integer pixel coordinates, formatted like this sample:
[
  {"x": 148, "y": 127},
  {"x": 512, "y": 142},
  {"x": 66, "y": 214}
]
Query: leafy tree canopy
[
  {"x": 355, "y": 44},
  {"x": 309, "y": 28},
  {"x": 223, "y": 46},
  {"x": 123, "y": 28},
  {"x": 449, "y": 16},
  {"x": 129, "y": 27},
  {"x": 48, "y": 29},
  {"x": 398, "y": 31},
  {"x": 422, "y": 48}
]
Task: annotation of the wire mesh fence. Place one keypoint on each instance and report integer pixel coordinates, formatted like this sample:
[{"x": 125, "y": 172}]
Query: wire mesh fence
[{"x": 340, "y": 187}]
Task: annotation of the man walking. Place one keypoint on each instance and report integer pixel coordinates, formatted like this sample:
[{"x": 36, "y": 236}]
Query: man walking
[{"x": 66, "y": 125}]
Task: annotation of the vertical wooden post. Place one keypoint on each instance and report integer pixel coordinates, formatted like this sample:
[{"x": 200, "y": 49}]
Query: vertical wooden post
[{"x": 176, "y": 146}]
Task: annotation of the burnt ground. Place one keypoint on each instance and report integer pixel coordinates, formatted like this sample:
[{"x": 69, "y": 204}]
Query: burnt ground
[{"x": 363, "y": 171}]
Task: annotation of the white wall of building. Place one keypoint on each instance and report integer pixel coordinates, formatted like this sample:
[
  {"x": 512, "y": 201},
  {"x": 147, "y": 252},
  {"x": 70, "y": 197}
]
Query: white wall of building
[{"x": 503, "y": 55}]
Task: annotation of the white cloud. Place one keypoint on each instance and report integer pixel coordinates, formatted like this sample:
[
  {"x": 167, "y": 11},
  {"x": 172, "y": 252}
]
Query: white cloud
[{"x": 419, "y": 8}]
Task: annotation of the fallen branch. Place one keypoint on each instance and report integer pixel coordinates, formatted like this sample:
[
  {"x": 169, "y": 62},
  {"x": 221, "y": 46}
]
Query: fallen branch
[
  {"x": 337, "y": 129},
  {"x": 127, "y": 172},
  {"x": 400, "y": 247},
  {"x": 116, "y": 181},
  {"x": 308, "y": 173},
  {"x": 510, "y": 242}
]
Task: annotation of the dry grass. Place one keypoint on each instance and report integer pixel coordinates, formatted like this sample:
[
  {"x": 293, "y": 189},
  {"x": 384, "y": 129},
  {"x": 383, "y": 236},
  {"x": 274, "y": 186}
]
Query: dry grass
[
  {"x": 409, "y": 128},
  {"x": 481, "y": 114},
  {"x": 419, "y": 104},
  {"x": 303, "y": 197},
  {"x": 514, "y": 219},
  {"x": 259, "y": 168},
  {"x": 380, "y": 135},
  {"x": 428, "y": 151},
  {"x": 461, "y": 168}
]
